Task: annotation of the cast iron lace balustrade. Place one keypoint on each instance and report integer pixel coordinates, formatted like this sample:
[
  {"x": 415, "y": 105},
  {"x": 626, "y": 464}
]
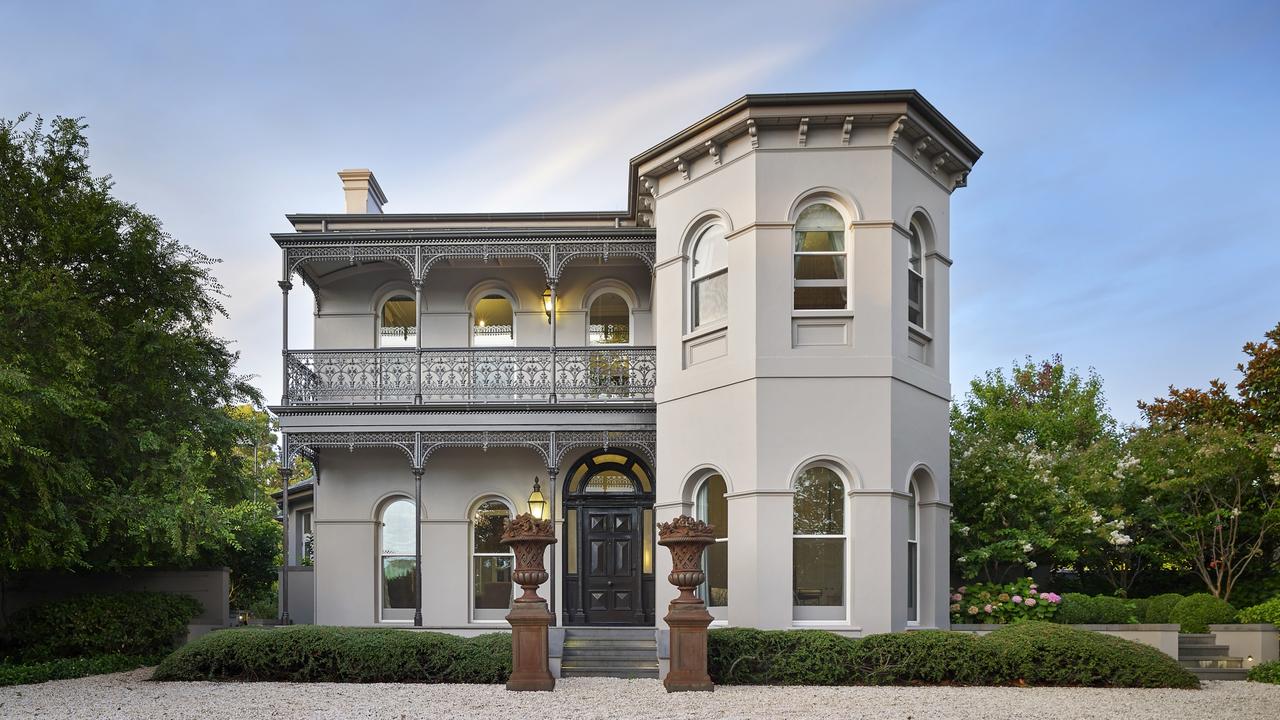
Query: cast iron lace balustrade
[{"x": 477, "y": 374}]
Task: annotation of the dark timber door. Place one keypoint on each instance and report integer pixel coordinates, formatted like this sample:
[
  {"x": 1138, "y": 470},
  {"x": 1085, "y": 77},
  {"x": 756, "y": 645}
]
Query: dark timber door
[{"x": 611, "y": 558}]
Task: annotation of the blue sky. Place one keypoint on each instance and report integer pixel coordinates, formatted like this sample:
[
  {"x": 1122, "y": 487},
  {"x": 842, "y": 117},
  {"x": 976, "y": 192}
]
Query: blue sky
[{"x": 1123, "y": 214}]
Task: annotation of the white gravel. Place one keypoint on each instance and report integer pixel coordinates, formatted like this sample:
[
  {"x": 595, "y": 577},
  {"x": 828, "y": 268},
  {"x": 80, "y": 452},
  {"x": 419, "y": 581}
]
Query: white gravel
[{"x": 133, "y": 695}]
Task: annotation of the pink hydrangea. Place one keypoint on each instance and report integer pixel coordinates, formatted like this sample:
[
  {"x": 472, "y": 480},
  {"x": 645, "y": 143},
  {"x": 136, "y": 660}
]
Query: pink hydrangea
[
  {"x": 960, "y": 589},
  {"x": 957, "y": 597},
  {"x": 986, "y": 609},
  {"x": 1051, "y": 597},
  {"x": 1029, "y": 602},
  {"x": 1017, "y": 599}
]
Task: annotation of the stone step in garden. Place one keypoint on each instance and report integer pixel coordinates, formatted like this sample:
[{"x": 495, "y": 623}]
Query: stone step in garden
[
  {"x": 1185, "y": 639},
  {"x": 1190, "y": 652},
  {"x": 1206, "y": 659},
  {"x": 609, "y": 652},
  {"x": 1220, "y": 673},
  {"x": 1211, "y": 662}
]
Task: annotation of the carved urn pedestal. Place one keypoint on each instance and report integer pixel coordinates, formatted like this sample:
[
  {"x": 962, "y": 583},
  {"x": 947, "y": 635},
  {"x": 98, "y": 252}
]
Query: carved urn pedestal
[
  {"x": 687, "y": 616},
  {"x": 528, "y": 538}
]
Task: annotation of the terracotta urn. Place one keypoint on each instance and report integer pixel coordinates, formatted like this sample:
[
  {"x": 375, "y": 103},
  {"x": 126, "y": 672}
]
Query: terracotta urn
[
  {"x": 528, "y": 539},
  {"x": 687, "y": 616}
]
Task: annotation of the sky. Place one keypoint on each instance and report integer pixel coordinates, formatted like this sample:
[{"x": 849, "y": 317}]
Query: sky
[{"x": 1123, "y": 214}]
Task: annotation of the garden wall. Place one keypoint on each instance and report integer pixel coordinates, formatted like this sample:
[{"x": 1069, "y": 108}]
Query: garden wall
[
  {"x": 209, "y": 586},
  {"x": 1163, "y": 637},
  {"x": 1260, "y": 642}
]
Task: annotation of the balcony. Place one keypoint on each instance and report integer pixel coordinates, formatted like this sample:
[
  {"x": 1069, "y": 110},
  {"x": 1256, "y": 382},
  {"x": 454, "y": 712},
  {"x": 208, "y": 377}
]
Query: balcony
[{"x": 620, "y": 374}]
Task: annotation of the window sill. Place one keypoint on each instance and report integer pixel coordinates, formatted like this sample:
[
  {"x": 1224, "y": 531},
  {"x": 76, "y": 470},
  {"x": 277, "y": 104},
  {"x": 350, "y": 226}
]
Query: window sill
[
  {"x": 918, "y": 333},
  {"x": 703, "y": 330},
  {"x": 822, "y": 313}
]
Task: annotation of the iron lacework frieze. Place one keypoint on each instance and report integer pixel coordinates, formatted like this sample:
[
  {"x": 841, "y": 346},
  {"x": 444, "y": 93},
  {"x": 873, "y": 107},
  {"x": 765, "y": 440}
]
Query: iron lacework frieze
[
  {"x": 551, "y": 445},
  {"x": 418, "y": 251}
]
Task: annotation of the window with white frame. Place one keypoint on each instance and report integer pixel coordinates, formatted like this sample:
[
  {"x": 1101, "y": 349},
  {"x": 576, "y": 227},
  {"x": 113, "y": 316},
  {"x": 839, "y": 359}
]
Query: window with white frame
[
  {"x": 915, "y": 278},
  {"x": 493, "y": 322},
  {"x": 397, "y": 572},
  {"x": 398, "y": 322},
  {"x": 609, "y": 320},
  {"x": 491, "y": 562},
  {"x": 913, "y": 554},
  {"x": 303, "y": 549},
  {"x": 821, "y": 260},
  {"x": 709, "y": 278},
  {"x": 713, "y": 508},
  {"x": 818, "y": 545}
]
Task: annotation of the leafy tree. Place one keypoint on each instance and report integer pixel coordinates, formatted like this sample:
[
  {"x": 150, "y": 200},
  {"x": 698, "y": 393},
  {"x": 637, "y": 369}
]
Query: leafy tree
[
  {"x": 1023, "y": 446},
  {"x": 115, "y": 446},
  {"x": 1211, "y": 462}
]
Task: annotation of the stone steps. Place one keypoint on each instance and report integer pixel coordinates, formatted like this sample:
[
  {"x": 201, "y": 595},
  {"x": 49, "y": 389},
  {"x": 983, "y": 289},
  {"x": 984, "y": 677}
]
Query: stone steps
[
  {"x": 609, "y": 652},
  {"x": 1206, "y": 659}
]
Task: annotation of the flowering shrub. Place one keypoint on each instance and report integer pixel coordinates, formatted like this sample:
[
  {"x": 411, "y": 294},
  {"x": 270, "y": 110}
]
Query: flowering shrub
[{"x": 1001, "y": 604}]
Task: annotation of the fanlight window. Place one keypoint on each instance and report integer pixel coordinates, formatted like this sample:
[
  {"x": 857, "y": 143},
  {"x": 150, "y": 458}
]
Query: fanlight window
[
  {"x": 491, "y": 561},
  {"x": 713, "y": 508},
  {"x": 915, "y": 279},
  {"x": 821, "y": 272},
  {"x": 818, "y": 545},
  {"x": 609, "y": 481},
  {"x": 397, "y": 324},
  {"x": 709, "y": 277},
  {"x": 493, "y": 322},
  {"x": 398, "y": 571},
  {"x": 609, "y": 320}
]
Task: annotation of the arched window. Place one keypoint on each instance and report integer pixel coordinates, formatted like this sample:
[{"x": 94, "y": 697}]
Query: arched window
[
  {"x": 398, "y": 576},
  {"x": 713, "y": 508},
  {"x": 609, "y": 320},
  {"x": 915, "y": 278},
  {"x": 709, "y": 278},
  {"x": 493, "y": 322},
  {"x": 818, "y": 545},
  {"x": 491, "y": 561},
  {"x": 397, "y": 322},
  {"x": 821, "y": 260},
  {"x": 913, "y": 554}
]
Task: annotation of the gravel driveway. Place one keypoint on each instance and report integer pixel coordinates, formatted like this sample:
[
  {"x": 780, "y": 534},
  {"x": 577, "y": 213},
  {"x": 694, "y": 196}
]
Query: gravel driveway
[{"x": 132, "y": 695}]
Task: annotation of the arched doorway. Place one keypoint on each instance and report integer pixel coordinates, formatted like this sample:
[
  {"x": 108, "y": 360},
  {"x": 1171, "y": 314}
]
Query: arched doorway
[{"x": 608, "y": 549}]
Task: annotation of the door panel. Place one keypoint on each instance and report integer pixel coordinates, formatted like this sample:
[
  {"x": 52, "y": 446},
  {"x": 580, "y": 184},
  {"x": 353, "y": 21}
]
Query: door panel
[{"x": 613, "y": 578}]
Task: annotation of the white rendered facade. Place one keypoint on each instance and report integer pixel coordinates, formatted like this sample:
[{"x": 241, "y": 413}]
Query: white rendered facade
[{"x": 761, "y": 339}]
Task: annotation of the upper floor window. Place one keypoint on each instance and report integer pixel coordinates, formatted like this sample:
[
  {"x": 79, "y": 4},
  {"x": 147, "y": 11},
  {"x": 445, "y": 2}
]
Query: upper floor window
[
  {"x": 821, "y": 260},
  {"x": 609, "y": 320},
  {"x": 709, "y": 277},
  {"x": 915, "y": 278},
  {"x": 398, "y": 322},
  {"x": 493, "y": 322}
]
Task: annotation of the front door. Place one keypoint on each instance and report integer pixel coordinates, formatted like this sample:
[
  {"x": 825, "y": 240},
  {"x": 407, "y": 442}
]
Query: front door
[{"x": 611, "y": 557}]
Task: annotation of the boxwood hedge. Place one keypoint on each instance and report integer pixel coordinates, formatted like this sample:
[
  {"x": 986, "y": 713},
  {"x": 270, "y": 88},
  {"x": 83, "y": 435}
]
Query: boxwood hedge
[
  {"x": 1267, "y": 672},
  {"x": 126, "y": 623},
  {"x": 1195, "y": 613},
  {"x": 309, "y": 653},
  {"x": 1027, "y": 653}
]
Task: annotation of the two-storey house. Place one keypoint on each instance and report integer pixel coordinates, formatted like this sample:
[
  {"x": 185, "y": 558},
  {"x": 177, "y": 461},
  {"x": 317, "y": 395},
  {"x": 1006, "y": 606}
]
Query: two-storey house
[{"x": 760, "y": 340}]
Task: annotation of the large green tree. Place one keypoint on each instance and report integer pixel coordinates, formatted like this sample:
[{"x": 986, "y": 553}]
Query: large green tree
[
  {"x": 1024, "y": 451},
  {"x": 116, "y": 448}
]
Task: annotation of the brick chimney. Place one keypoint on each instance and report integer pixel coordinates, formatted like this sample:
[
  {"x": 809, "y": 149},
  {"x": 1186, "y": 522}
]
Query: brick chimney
[{"x": 363, "y": 194}]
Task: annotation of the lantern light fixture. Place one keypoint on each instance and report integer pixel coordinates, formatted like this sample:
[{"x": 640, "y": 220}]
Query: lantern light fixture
[{"x": 537, "y": 502}]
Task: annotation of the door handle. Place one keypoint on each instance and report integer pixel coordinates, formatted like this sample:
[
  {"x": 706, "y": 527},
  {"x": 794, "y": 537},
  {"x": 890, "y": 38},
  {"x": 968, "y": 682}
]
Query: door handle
[{"x": 610, "y": 583}]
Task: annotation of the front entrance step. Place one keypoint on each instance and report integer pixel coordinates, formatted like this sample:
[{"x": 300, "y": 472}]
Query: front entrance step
[
  {"x": 609, "y": 652},
  {"x": 1206, "y": 659}
]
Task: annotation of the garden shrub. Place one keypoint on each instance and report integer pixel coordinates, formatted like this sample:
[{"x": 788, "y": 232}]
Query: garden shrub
[
  {"x": 67, "y": 668},
  {"x": 1024, "y": 653},
  {"x": 310, "y": 653},
  {"x": 1267, "y": 672},
  {"x": 1160, "y": 608},
  {"x": 1195, "y": 613},
  {"x": 992, "y": 603},
  {"x": 1267, "y": 612},
  {"x": 1081, "y": 609},
  {"x": 1140, "y": 608},
  {"x": 1054, "y": 655},
  {"x": 127, "y": 623}
]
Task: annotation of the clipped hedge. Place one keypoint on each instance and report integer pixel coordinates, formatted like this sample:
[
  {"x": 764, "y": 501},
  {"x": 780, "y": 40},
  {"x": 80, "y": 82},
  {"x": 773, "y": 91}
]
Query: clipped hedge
[
  {"x": 127, "y": 623},
  {"x": 311, "y": 653},
  {"x": 67, "y": 668},
  {"x": 1267, "y": 672},
  {"x": 1267, "y": 612},
  {"x": 1081, "y": 609},
  {"x": 1159, "y": 609},
  {"x": 1195, "y": 613},
  {"x": 1026, "y": 653}
]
